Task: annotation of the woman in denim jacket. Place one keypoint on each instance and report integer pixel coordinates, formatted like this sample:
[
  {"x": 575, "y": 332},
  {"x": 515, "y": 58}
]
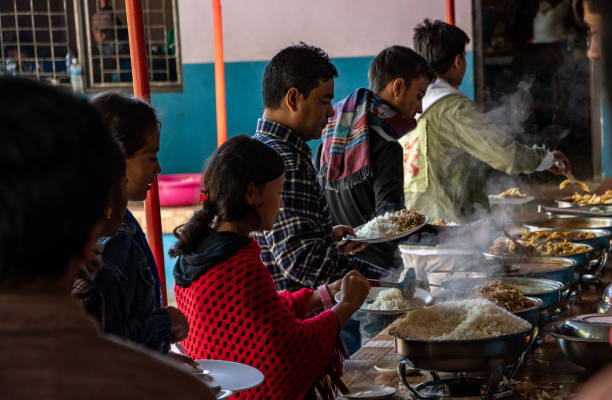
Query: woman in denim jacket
[{"x": 130, "y": 285}]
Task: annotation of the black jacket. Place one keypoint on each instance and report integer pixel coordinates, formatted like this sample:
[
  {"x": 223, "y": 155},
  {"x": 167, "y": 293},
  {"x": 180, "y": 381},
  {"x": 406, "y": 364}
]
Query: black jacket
[{"x": 383, "y": 192}]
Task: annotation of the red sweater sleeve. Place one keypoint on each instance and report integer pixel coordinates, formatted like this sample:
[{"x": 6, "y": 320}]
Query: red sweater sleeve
[
  {"x": 235, "y": 314},
  {"x": 297, "y": 301}
]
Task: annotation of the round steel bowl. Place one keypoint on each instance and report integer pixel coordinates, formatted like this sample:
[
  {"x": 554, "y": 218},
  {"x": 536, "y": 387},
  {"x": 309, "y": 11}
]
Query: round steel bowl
[
  {"x": 530, "y": 314},
  {"x": 605, "y": 304},
  {"x": 588, "y": 326},
  {"x": 601, "y": 241},
  {"x": 588, "y": 353},
  {"x": 462, "y": 355},
  {"x": 548, "y": 291},
  {"x": 582, "y": 259},
  {"x": 559, "y": 269}
]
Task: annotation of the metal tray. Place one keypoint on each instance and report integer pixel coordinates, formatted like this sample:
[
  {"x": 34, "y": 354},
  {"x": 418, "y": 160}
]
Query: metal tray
[
  {"x": 571, "y": 223},
  {"x": 567, "y": 202}
]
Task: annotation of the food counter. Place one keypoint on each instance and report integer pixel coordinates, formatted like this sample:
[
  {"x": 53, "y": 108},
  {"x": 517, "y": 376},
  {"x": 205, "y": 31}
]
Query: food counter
[{"x": 547, "y": 374}]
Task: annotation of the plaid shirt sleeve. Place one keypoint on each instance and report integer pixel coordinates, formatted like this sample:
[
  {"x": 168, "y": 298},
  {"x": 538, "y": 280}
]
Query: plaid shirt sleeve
[{"x": 302, "y": 241}]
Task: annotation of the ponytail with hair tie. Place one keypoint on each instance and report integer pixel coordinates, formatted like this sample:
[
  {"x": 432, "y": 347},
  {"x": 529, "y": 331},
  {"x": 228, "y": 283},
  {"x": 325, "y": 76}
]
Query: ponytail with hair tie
[
  {"x": 203, "y": 196},
  {"x": 236, "y": 164}
]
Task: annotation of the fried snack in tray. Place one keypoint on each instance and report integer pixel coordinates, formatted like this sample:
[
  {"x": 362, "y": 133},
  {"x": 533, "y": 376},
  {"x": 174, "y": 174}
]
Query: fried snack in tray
[
  {"x": 513, "y": 193},
  {"x": 556, "y": 236},
  {"x": 605, "y": 198},
  {"x": 503, "y": 294},
  {"x": 504, "y": 246}
]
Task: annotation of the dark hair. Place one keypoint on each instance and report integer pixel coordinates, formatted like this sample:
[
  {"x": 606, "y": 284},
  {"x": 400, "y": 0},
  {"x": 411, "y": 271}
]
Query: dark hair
[
  {"x": 397, "y": 62},
  {"x": 300, "y": 66},
  {"x": 129, "y": 119},
  {"x": 596, "y": 6},
  {"x": 439, "y": 43},
  {"x": 56, "y": 169},
  {"x": 236, "y": 164}
]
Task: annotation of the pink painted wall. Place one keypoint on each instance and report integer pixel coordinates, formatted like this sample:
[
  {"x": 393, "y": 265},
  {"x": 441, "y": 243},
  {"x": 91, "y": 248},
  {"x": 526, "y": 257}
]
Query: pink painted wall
[{"x": 257, "y": 29}]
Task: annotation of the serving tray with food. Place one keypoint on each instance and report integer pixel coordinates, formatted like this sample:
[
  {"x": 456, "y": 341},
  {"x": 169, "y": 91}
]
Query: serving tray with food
[
  {"x": 509, "y": 197},
  {"x": 388, "y": 227},
  {"x": 504, "y": 246},
  {"x": 586, "y": 199}
]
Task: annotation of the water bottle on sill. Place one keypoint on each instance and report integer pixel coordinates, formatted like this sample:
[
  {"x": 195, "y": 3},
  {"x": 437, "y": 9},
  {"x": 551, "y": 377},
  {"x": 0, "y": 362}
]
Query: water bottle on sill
[
  {"x": 11, "y": 67},
  {"x": 76, "y": 76},
  {"x": 69, "y": 57}
]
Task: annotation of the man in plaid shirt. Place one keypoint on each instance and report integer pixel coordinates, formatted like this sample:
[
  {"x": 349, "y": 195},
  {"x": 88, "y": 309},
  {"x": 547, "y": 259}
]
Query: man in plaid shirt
[{"x": 301, "y": 250}]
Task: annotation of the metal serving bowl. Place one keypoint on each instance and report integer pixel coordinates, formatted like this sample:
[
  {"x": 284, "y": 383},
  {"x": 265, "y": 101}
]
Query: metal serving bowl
[
  {"x": 462, "y": 355},
  {"x": 582, "y": 259},
  {"x": 601, "y": 240},
  {"x": 548, "y": 291},
  {"x": 559, "y": 269},
  {"x": 571, "y": 223},
  {"x": 605, "y": 304},
  {"x": 601, "y": 243},
  {"x": 588, "y": 326},
  {"x": 588, "y": 353},
  {"x": 530, "y": 314}
]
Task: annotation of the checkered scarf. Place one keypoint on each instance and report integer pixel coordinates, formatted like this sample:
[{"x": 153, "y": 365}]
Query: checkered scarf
[{"x": 345, "y": 156}]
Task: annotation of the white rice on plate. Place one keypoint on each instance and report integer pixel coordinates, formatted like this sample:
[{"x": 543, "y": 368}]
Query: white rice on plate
[
  {"x": 459, "y": 320},
  {"x": 378, "y": 227},
  {"x": 392, "y": 299}
]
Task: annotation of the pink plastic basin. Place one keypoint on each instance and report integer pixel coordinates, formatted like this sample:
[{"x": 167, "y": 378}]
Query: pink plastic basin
[{"x": 179, "y": 189}]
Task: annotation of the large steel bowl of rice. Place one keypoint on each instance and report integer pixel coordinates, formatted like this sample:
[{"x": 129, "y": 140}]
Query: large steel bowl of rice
[{"x": 461, "y": 336}]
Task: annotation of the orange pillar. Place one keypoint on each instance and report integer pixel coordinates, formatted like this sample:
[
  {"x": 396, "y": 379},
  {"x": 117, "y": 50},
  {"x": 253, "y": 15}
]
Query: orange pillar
[
  {"x": 219, "y": 73},
  {"x": 140, "y": 77},
  {"x": 450, "y": 12}
]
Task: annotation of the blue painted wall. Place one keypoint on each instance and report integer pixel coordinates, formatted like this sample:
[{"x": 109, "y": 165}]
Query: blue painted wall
[{"x": 189, "y": 128}]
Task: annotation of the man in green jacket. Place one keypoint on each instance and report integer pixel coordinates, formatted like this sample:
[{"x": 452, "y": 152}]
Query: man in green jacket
[{"x": 445, "y": 157}]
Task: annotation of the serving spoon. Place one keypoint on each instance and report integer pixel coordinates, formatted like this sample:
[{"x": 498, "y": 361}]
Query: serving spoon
[{"x": 406, "y": 285}]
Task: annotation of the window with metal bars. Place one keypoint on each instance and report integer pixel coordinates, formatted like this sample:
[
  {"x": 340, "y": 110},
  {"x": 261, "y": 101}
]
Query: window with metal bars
[
  {"x": 35, "y": 37},
  {"x": 38, "y": 38}
]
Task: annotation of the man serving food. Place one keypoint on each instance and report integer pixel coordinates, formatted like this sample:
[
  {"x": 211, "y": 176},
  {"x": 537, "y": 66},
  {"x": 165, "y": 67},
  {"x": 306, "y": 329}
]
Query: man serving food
[{"x": 445, "y": 157}]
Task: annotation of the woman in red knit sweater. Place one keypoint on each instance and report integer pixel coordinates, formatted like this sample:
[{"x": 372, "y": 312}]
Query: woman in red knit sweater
[{"x": 228, "y": 295}]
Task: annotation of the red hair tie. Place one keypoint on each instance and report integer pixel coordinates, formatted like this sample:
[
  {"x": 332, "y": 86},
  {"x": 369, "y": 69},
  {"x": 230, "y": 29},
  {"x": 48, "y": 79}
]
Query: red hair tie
[{"x": 203, "y": 196}]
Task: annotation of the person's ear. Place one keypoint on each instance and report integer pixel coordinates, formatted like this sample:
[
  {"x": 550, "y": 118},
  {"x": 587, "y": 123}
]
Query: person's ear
[
  {"x": 397, "y": 85},
  {"x": 459, "y": 61},
  {"x": 291, "y": 99},
  {"x": 253, "y": 195}
]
